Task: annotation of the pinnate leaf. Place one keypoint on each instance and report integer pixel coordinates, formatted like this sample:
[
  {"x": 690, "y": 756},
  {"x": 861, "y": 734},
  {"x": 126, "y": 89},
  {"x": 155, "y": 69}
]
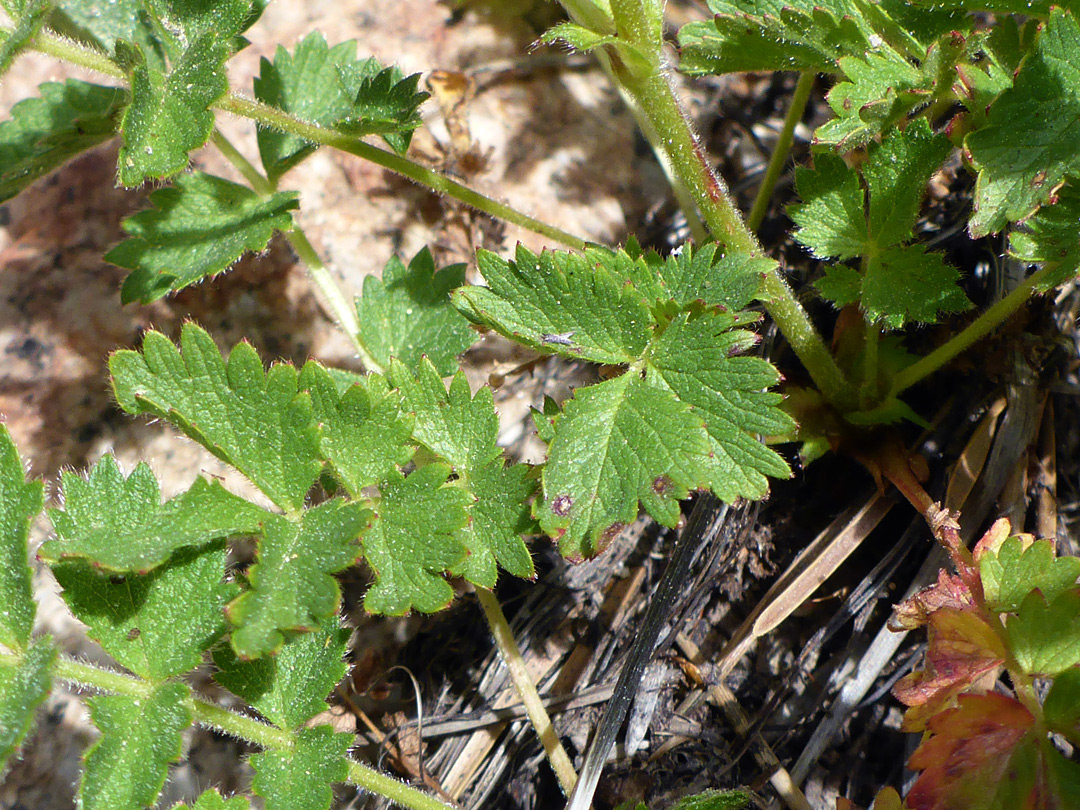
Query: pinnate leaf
[
  {"x": 407, "y": 314},
  {"x": 290, "y": 687},
  {"x": 120, "y": 524},
  {"x": 1052, "y": 236},
  {"x": 617, "y": 443},
  {"x": 330, "y": 87},
  {"x": 300, "y": 779},
  {"x": 254, "y": 420},
  {"x": 23, "y": 687},
  {"x": 212, "y": 800},
  {"x": 463, "y": 429},
  {"x": 561, "y": 303},
  {"x": 1015, "y": 569},
  {"x": 20, "y": 502},
  {"x": 1031, "y": 143},
  {"x": 159, "y": 624},
  {"x": 901, "y": 283},
  {"x": 1044, "y": 635},
  {"x": 365, "y": 435},
  {"x": 127, "y": 766},
  {"x": 414, "y": 540},
  {"x": 45, "y": 132},
  {"x": 291, "y": 586},
  {"x": 197, "y": 228},
  {"x": 169, "y": 113}
]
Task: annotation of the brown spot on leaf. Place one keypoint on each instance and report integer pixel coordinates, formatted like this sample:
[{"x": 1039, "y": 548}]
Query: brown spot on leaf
[
  {"x": 662, "y": 485},
  {"x": 561, "y": 505},
  {"x": 1038, "y": 180}
]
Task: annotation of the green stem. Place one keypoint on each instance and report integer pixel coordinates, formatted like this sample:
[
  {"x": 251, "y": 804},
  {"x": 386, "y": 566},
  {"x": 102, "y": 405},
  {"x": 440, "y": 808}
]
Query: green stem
[
  {"x": 868, "y": 393},
  {"x": 656, "y": 98},
  {"x": 778, "y": 159},
  {"x": 272, "y": 117},
  {"x": 241, "y": 727},
  {"x": 256, "y": 179},
  {"x": 526, "y": 689},
  {"x": 343, "y": 311},
  {"x": 784, "y": 308},
  {"x": 336, "y": 301},
  {"x": 69, "y": 51},
  {"x": 976, "y": 330}
]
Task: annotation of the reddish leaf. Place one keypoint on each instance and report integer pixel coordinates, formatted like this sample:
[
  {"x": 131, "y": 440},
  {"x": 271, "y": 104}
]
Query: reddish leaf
[
  {"x": 979, "y": 755},
  {"x": 948, "y": 592},
  {"x": 963, "y": 649}
]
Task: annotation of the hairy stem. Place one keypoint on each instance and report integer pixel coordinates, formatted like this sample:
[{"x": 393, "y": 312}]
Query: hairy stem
[
  {"x": 334, "y": 298},
  {"x": 656, "y": 98},
  {"x": 782, "y": 150},
  {"x": 976, "y": 330},
  {"x": 526, "y": 689},
  {"x": 272, "y": 117},
  {"x": 241, "y": 727}
]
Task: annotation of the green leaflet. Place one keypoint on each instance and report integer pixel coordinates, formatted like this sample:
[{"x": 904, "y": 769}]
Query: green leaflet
[
  {"x": 560, "y": 303},
  {"x": 44, "y": 133},
  {"x": 384, "y": 102},
  {"x": 414, "y": 540},
  {"x": 407, "y": 314},
  {"x": 618, "y": 443},
  {"x": 127, "y": 766},
  {"x": 197, "y": 228},
  {"x": 767, "y": 35},
  {"x": 1052, "y": 236},
  {"x": 159, "y": 624},
  {"x": 169, "y": 113},
  {"x": 1062, "y": 705},
  {"x": 697, "y": 360},
  {"x": 256, "y": 421},
  {"x": 120, "y": 524},
  {"x": 463, "y": 430},
  {"x": 330, "y": 87},
  {"x": 300, "y": 779},
  {"x": 23, "y": 687},
  {"x": 291, "y": 687},
  {"x": 1044, "y": 634},
  {"x": 212, "y": 800},
  {"x": 20, "y": 502},
  {"x": 290, "y": 586},
  {"x": 1011, "y": 572},
  {"x": 1031, "y": 142},
  {"x": 30, "y": 20},
  {"x": 898, "y": 282},
  {"x": 365, "y": 435}
]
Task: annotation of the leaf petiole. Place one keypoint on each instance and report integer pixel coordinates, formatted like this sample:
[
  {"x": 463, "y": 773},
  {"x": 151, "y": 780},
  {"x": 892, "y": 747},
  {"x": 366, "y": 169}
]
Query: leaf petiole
[{"x": 235, "y": 725}]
